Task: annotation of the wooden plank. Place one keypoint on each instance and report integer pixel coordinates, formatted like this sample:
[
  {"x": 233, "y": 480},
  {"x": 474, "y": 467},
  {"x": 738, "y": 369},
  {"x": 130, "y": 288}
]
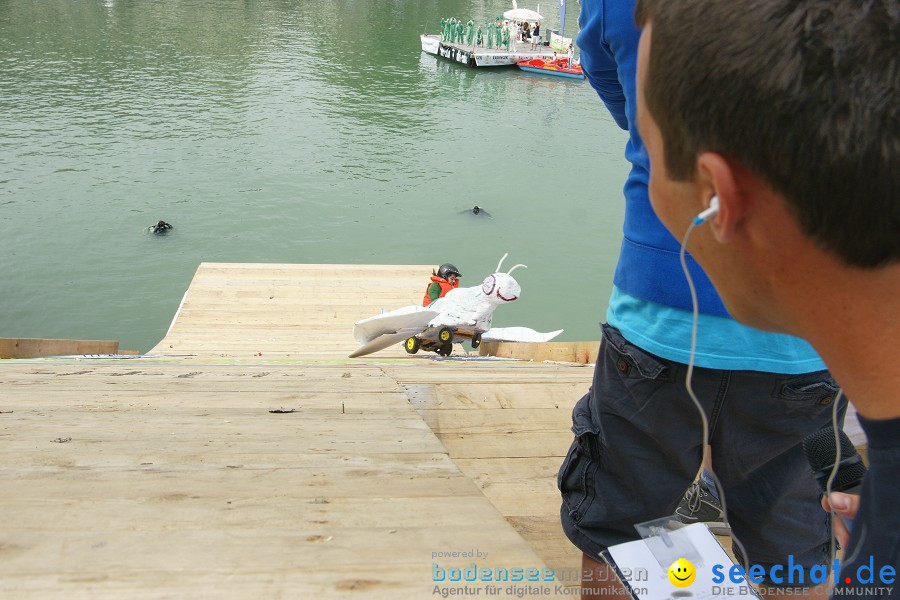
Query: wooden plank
[
  {"x": 497, "y": 395},
  {"x": 464, "y": 373},
  {"x": 184, "y": 511},
  {"x": 574, "y": 352},
  {"x": 252, "y": 300},
  {"x": 33, "y": 347},
  {"x": 207, "y": 562},
  {"x": 157, "y": 484},
  {"x": 502, "y": 421},
  {"x": 248, "y": 403},
  {"x": 288, "y": 326},
  {"x": 508, "y": 445},
  {"x": 363, "y": 271}
]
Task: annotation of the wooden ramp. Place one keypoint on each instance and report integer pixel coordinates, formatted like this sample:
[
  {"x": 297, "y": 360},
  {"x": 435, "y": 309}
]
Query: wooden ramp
[
  {"x": 294, "y": 474},
  {"x": 285, "y": 310}
]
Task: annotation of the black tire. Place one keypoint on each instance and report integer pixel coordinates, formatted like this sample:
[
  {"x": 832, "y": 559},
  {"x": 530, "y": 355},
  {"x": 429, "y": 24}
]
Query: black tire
[
  {"x": 412, "y": 345},
  {"x": 445, "y": 350},
  {"x": 445, "y": 335},
  {"x": 476, "y": 341}
]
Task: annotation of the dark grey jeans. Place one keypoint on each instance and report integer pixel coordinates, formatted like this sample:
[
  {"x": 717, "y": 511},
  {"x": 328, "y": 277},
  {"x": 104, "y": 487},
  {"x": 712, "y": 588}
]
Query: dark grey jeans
[{"x": 638, "y": 447}]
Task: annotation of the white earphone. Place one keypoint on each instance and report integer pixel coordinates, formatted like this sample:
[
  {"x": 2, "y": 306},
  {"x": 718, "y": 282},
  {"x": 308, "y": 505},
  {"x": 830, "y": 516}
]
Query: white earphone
[{"x": 709, "y": 213}]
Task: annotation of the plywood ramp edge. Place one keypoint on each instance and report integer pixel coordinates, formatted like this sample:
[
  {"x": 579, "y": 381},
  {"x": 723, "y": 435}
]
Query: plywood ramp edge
[
  {"x": 567, "y": 352},
  {"x": 36, "y": 347}
]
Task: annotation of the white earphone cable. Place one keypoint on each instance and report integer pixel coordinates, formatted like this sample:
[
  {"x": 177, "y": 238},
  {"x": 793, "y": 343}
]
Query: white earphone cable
[
  {"x": 690, "y": 390},
  {"x": 688, "y": 384}
]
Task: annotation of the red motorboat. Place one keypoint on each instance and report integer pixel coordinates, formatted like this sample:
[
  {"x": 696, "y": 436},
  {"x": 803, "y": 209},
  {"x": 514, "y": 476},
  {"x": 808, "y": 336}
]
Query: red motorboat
[{"x": 559, "y": 67}]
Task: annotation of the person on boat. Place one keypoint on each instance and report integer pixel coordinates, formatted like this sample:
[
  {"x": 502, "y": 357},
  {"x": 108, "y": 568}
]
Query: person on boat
[
  {"x": 526, "y": 32},
  {"x": 536, "y": 35},
  {"x": 160, "y": 227},
  {"x": 571, "y": 54},
  {"x": 443, "y": 280}
]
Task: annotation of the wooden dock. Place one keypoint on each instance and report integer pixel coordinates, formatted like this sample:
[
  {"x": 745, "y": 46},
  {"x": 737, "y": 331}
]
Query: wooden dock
[{"x": 251, "y": 458}]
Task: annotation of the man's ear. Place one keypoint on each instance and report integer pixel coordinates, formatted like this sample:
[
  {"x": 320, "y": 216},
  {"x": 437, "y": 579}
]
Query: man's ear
[{"x": 717, "y": 177}]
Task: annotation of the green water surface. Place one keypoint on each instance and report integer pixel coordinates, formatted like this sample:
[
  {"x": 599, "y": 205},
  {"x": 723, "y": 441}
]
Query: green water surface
[{"x": 285, "y": 131}]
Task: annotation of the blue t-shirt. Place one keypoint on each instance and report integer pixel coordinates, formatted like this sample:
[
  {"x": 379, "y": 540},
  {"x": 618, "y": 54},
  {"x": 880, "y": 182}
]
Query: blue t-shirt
[{"x": 722, "y": 342}]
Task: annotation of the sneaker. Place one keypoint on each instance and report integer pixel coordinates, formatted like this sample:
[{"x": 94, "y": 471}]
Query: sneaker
[{"x": 699, "y": 506}]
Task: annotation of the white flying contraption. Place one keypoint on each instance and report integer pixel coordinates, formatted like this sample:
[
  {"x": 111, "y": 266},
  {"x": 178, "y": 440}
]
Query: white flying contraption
[{"x": 463, "y": 314}]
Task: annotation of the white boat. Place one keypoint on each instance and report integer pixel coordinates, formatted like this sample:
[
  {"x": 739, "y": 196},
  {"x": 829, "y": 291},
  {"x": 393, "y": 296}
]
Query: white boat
[
  {"x": 430, "y": 43},
  {"x": 479, "y": 56}
]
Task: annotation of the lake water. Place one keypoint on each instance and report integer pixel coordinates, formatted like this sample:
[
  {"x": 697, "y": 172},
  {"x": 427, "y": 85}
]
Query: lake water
[{"x": 286, "y": 131}]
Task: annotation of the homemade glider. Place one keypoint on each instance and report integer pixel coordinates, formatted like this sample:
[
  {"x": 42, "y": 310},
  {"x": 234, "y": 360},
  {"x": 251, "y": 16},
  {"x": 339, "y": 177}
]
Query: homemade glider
[{"x": 463, "y": 314}]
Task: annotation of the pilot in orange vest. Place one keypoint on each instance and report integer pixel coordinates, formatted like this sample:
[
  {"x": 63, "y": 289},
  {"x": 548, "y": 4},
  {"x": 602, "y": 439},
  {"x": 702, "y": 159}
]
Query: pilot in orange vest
[{"x": 446, "y": 278}]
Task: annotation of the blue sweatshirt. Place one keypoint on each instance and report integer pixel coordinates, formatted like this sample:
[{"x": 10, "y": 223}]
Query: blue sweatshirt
[{"x": 651, "y": 301}]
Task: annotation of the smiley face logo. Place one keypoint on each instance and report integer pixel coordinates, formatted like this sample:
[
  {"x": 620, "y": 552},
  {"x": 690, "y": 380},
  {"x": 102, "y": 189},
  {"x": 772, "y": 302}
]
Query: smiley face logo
[{"x": 682, "y": 573}]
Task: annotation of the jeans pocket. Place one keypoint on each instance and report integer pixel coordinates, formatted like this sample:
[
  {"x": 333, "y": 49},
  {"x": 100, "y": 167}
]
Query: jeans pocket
[
  {"x": 576, "y": 476},
  {"x": 808, "y": 390},
  {"x": 632, "y": 361},
  {"x": 632, "y": 377},
  {"x": 575, "y": 479}
]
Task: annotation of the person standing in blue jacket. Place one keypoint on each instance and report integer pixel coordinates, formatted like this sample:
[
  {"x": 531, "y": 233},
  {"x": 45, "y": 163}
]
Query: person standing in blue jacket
[{"x": 638, "y": 443}]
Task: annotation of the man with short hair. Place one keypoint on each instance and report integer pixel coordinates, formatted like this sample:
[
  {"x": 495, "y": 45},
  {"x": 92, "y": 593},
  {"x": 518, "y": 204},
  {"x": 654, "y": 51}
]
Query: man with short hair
[
  {"x": 789, "y": 114},
  {"x": 638, "y": 434}
]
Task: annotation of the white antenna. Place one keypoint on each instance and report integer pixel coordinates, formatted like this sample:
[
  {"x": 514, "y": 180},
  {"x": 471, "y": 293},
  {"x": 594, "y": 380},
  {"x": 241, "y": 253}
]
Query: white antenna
[
  {"x": 497, "y": 270},
  {"x": 516, "y": 267}
]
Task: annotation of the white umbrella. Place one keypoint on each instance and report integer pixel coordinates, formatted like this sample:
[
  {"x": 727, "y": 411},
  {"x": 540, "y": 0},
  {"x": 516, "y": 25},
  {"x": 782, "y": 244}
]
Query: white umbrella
[{"x": 523, "y": 14}]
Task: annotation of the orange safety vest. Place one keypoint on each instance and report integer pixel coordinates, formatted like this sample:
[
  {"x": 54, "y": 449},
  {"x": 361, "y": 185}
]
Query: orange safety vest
[{"x": 446, "y": 286}]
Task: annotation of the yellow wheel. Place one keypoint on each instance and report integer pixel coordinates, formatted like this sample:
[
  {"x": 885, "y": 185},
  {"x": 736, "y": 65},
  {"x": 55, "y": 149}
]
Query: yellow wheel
[
  {"x": 412, "y": 344},
  {"x": 445, "y": 334}
]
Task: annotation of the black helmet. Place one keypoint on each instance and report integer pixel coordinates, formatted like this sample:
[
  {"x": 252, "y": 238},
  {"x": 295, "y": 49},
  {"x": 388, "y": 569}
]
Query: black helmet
[{"x": 447, "y": 269}]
